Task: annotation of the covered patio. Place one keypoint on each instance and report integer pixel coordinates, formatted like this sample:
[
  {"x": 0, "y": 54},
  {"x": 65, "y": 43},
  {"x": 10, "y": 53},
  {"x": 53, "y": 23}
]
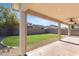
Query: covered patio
[
  {"x": 58, "y": 48},
  {"x": 61, "y": 13}
]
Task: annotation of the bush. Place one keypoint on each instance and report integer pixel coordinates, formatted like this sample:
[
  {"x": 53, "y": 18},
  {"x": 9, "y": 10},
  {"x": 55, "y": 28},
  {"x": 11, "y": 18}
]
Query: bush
[{"x": 8, "y": 22}]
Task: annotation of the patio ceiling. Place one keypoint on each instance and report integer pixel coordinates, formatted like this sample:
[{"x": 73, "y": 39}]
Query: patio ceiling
[{"x": 54, "y": 12}]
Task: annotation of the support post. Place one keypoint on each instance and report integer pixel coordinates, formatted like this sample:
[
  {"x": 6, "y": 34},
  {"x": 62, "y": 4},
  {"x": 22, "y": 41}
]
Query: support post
[
  {"x": 69, "y": 30},
  {"x": 23, "y": 33},
  {"x": 59, "y": 30}
]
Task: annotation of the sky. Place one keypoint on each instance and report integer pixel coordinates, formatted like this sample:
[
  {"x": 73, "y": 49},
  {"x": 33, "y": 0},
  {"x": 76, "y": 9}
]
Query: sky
[
  {"x": 8, "y": 5},
  {"x": 39, "y": 21},
  {"x": 33, "y": 19}
]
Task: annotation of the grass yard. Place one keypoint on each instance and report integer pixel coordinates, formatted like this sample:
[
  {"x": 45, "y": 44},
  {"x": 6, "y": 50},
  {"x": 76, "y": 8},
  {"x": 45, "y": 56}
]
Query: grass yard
[{"x": 33, "y": 40}]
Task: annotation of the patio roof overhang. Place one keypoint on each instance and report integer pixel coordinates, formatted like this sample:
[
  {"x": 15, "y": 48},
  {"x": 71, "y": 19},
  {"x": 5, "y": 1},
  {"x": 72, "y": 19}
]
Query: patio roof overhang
[{"x": 53, "y": 11}]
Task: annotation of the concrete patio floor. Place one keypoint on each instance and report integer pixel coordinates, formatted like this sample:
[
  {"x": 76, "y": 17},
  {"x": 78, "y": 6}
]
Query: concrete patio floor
[{"x": 58, "y": 48}]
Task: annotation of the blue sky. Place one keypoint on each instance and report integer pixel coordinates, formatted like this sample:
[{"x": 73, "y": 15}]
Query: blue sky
[
  {"x": 39, "y": 21},
  {"x": 8, "y": 5},
  {"x": 34, "y": 19}
]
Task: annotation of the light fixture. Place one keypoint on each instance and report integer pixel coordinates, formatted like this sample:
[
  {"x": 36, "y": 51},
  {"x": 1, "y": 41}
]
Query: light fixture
[
  {"x": 75, "y": 23},
  {"x": 71, "y": 20}
]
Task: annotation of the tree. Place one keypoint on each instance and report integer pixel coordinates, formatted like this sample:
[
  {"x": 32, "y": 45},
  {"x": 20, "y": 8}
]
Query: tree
[{"x": 8, "y": 21}]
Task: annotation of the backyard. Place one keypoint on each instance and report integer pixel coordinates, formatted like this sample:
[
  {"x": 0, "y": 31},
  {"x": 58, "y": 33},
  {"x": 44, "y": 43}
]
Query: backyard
[
  {"x": 34, "y": 41},
  {"x": 10, "y": 29}
]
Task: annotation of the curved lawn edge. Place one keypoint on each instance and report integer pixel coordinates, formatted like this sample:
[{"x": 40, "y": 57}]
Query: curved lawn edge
[
  {"x": 7, "y": 45},
  {"x": 2, "y": 42},
  {"x": 13, "y": 41}
]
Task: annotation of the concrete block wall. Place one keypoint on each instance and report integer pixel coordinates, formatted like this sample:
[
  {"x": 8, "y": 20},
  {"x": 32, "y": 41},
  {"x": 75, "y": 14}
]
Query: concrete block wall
[
  {"x": 75, "y": 32},
  {"x": 36, "y": 30},
  {"x": 41, "y": 30}
]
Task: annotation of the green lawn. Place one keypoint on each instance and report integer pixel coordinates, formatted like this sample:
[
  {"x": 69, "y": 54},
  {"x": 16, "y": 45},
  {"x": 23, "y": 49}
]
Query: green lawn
[{"x": 33, "y": 40}]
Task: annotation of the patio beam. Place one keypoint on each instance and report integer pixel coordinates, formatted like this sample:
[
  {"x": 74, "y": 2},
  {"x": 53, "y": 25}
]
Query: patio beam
[
  {"x": 22, "y": 42},
  {"x": 46, "y": 17},
  {"x": 59, "y": 31}
]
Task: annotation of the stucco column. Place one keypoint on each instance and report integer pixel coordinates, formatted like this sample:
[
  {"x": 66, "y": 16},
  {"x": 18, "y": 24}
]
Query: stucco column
[
  {"x": 59, "y": 30},
  {"x": 23, "y": 36},
  {"x": 69, "y": 30}
]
